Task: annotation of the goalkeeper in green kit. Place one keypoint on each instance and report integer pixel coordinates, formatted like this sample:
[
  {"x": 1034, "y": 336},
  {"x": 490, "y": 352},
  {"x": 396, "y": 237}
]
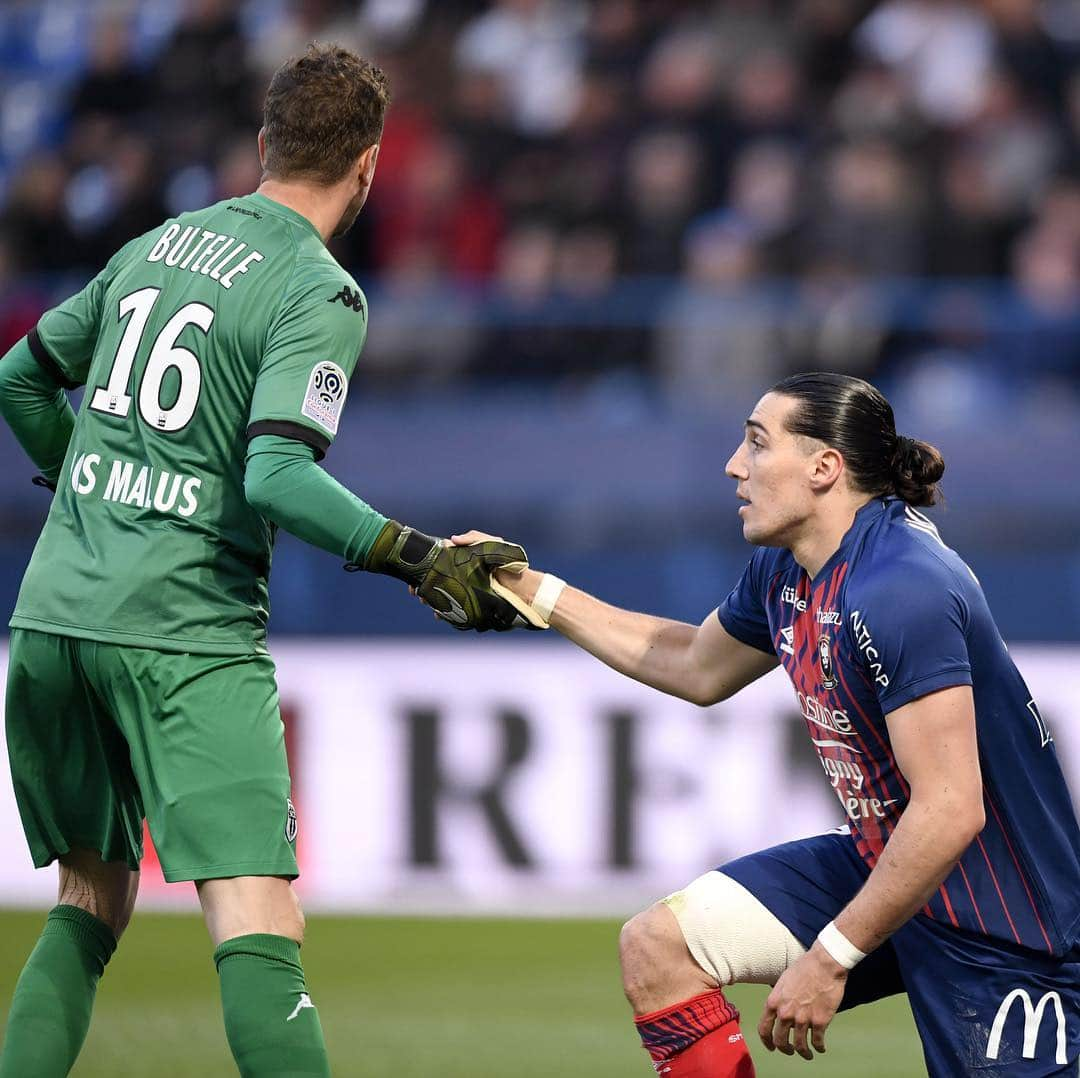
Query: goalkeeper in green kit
[{"x": 216, "y": 352}]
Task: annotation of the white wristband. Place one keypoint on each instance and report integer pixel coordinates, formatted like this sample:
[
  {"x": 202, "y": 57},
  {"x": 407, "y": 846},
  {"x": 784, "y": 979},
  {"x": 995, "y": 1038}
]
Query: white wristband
[
  {"x": 839, "y": 947},
  {"x": 547, "y": 595}
]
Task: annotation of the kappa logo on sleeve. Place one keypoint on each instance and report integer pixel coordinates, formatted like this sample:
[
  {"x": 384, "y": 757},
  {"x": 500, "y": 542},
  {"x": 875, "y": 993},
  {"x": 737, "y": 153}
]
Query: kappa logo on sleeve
[
  {"x": 325, "y": 396},
  {"x": 353, "y": 300}
]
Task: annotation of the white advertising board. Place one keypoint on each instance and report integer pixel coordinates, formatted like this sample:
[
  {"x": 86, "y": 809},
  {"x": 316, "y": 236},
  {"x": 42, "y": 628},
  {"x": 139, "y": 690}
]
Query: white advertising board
[{"x": 476, "y": 776}]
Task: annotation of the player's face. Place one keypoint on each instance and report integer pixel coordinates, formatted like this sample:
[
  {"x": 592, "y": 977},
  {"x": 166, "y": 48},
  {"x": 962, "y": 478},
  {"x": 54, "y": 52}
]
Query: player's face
[{"x": 772, "y": 467}]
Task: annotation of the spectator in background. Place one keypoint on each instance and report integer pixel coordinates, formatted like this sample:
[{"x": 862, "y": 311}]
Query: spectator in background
[
  {"x": 616, "y": 38},
  {"x": 972, "y": 225},
  {"x": 532, "y": 142},
  {"x": 872, "y": 103},
  {"x": 839, "y": 321},
  {"x": 35, "y": 222},
  {"x": 942, "y": 49},
  {"x": 1042, "y": 338},
  {"x": 1019, "y": 146},
  {"x": 436, "y": 206},
  {"x": 764, "y": 196},
  {"x": 824, "y": 30},
  {"x": 869, "y": 208},
  {"x": 765, "y": 98},
  {"x": 1025, "y": 49},
  {"x": 113, "y": 86},
  {"x": 586, "y": 263},
  {"x": 519, "y": 344},
  {"x": 587, "y": 171},
  {"x": 663, "y": 194},
  {"x": 425, "y": 332},
  {"x": 305, "y": 21},
  {"x": 479, "y": 119},
  {"x": 535, "y": 49},
  {"x": 23, "y": 301},
  {"x": 113, "y": 196},
  {"x": 202, "y": 87},
  {"x": 718, "y": 336},
  {"x": 238, "y": 171}
]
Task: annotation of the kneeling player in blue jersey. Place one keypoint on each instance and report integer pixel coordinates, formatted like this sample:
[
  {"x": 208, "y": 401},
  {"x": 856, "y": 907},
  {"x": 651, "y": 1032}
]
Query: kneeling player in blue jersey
[{"x": 957, "y": 877}]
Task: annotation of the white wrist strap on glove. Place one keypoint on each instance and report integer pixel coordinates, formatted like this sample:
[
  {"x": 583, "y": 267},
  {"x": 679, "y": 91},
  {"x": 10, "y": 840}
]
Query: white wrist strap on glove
[
  {"x": 538, "y": 612},
  {"x": 839, "y": 947}
]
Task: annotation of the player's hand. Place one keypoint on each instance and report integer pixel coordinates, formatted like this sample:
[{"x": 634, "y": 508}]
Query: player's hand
[
  {"x": 516, "y": 583},
  {"x": 452, "y": 579},
  {"x": 458, "y": 585},
  {"x": 803, "y": 1004}
]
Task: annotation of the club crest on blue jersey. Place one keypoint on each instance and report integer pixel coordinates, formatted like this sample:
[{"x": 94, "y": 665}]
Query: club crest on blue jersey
[{"x": 828, "y": 671}]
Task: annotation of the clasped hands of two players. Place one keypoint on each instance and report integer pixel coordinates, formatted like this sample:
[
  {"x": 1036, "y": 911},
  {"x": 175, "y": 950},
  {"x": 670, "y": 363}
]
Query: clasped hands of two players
[{"x": 452, "y": 577}]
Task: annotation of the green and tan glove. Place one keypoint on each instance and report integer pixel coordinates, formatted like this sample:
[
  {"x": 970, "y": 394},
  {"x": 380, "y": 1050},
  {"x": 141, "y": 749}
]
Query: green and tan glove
[{"x": 453, "y": 580}]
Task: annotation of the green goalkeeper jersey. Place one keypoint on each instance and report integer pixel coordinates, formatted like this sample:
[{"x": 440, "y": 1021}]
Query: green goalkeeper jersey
[{"x": 220, "y": 325}]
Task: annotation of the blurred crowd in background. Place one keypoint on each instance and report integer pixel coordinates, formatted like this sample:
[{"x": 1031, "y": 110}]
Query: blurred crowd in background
[
  {"x": 699, "y": 194},
  {"x": 598, "y": 231}
]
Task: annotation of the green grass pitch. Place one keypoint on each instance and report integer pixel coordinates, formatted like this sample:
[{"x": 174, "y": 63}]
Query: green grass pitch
[{"x": 423, "y": 998}]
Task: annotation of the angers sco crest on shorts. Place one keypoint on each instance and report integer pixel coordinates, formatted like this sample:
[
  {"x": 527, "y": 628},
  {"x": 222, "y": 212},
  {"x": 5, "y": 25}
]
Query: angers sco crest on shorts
[
  {"x": 290, "y": 821},
  {"x": 828, "y": 672}
]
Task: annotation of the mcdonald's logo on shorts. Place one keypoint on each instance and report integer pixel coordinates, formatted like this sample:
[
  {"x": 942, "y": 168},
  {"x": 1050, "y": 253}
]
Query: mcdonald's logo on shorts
[{"x": 1033, "y": 1016}]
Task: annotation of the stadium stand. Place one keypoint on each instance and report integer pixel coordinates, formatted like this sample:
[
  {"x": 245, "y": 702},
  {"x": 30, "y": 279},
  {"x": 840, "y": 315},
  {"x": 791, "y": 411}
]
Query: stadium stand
[{"x": 597, "y": 232}]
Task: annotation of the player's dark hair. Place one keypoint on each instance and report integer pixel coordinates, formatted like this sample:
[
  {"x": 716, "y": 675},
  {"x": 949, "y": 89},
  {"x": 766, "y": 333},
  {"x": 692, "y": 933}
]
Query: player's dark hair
[
  {"x": 322, "y": 111},
  {"x": 853, "y": 417}
]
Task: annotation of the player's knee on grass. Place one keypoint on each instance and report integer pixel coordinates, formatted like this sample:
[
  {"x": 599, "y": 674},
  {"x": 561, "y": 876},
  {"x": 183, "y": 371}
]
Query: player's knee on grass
[
  {"x": 104, "y": 889},
  {"x": 657, "y": 968},
  {"x": 731, "y": 935},
  {"x": 249, "y": 905}
]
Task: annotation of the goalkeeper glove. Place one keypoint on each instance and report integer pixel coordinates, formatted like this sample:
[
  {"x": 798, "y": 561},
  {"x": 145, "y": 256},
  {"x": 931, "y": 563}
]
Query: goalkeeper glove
[{"x": 454, "y": 581}]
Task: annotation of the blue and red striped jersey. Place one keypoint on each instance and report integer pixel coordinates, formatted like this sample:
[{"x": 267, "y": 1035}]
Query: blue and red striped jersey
[{"x": 894, "y": 615}]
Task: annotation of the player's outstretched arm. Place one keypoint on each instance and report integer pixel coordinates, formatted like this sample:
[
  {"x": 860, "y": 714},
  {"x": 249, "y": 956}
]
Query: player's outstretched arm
[
  {"x": 36, "y": 408},
  {"x": 284, "y": 483},
  {"x": 699, "y": 663}
]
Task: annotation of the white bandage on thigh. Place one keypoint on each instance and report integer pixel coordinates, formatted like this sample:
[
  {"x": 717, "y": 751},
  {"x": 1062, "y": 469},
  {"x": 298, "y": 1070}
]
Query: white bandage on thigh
[{"x": 731, "y": 935}]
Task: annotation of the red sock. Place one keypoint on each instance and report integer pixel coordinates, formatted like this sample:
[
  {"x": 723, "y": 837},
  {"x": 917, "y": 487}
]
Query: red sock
[{"x": 698, "y": 1038}]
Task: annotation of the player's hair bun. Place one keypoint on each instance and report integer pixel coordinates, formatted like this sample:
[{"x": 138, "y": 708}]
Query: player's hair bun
[
  {"x": 852, "y": 416},
  {"x": 917, "y": 468}
]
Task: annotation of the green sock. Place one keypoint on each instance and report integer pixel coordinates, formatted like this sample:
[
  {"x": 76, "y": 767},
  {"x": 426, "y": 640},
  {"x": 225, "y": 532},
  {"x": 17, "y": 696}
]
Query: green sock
[
  {"x": 50, "y": 1011},
  {"x": 272, "y": 1025}
]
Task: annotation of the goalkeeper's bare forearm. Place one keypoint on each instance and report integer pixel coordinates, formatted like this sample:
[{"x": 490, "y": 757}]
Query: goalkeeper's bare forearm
[{"x": 700, "y": 663}]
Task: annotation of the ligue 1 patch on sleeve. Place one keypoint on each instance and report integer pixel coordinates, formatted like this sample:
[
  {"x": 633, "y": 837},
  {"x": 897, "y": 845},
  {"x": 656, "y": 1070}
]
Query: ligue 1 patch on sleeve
[{"x": 325, "y": 396}]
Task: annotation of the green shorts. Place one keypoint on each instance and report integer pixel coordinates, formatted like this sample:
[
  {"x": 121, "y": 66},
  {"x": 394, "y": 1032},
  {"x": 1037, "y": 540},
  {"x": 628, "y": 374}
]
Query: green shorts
[{"x": 101, "y": 735}]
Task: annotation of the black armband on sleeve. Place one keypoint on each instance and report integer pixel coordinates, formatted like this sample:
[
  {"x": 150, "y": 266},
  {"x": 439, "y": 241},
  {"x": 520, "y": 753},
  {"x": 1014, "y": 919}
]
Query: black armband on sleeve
[
  {"x": 284, "y": 428},
  {"x": 46, "y": 362}
]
